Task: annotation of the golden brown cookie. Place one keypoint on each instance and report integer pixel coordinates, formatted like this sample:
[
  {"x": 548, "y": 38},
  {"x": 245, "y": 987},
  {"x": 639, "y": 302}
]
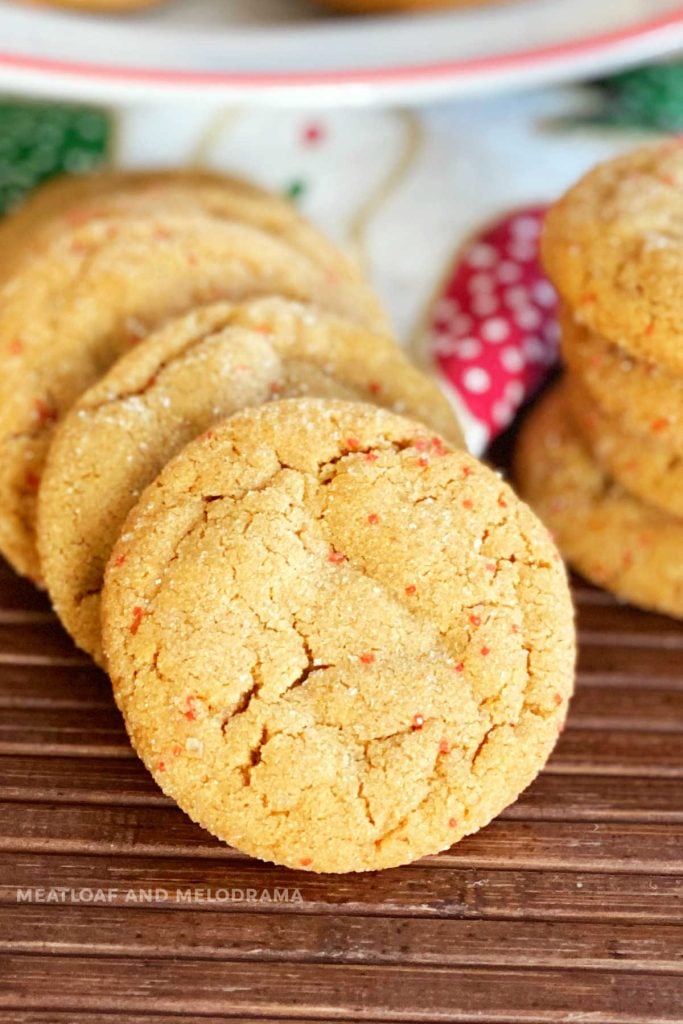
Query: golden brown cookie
[
  {"x": 70, "y": 309},
  {"x": 645, "y": 466},
  {"x": 197, "y": 370},
  {"x": 102, "y": 6},
  {"x": 610, "y": 537},
  {"x": 641, "y": 396},
  {"x": 337, "y": 644},
  {"x": 69, "y": 201},
  {"x": 613, "y": 247}
]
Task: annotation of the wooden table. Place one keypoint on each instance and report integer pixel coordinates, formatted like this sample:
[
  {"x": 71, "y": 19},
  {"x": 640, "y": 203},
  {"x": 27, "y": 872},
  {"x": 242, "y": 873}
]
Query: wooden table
[{"x": 567, "y": 908}]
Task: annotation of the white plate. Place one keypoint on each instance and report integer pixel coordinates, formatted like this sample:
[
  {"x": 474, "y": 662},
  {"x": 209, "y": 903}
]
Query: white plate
[{"x": 285, "y": 51}]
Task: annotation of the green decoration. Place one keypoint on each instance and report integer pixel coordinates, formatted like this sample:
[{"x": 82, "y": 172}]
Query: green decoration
[
  {"x": 295, "y": 189},
  {"x": 649, "y": 98},
  {"x": 39, "y": 140}
]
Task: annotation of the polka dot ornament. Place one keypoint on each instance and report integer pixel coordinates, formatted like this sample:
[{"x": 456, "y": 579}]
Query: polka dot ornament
[{"x": 493, "y": 332}]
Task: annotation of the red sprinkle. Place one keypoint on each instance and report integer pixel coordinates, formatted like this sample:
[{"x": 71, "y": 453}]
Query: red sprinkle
[
  {"x": 353, "y": 443},
  {"x": 336, "y": 557},
  {"x": 514, "y": 628},
  {"x": 661, "y": 423},
  {"x": 452, "y": 822},
  {"x": 460, "y": 667},
  {"x": 119, "y": 560},
  {"x": 485, "y": 651},
  {"x": 475, "y": 620},
  {"x": 276, "y": 388},
  {"x": 421, "y": 444},
  {"x": 161, "y": 767},
  {"x": 16, "y": 347},
  {"x": 44, "y": 413},
  {"x": 306, "y": 862},
  {"x": 373, "y": 519},
  {"x": 423, "y": 461},
  {"x": 191, "y": 712},
  {"x": 558, "y": 699},
  {"x": 411, "y": 589},
  {"x": 467, "y": 471},
  {"x": 138, "y": 616},
  {"x": 502, "y": 503},
  {"x": 374, "y": 387},
  {"x": 418, "y": 721},
  {"x": 491, "y": 566},
  {"x": 468, "y": 504},
  {"x": 650, "y": 327},
  {"x": 192, "y": 259},
  {"x": 176, "y": 750},
  {"x": 371, "y": 456},
  {"x": 444, "y": 747},
  {"x": 367, "y": 658}
]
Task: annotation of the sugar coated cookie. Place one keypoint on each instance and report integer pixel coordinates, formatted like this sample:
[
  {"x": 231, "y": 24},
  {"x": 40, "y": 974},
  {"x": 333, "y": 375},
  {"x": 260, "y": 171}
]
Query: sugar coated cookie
[
  {"x": 610, "y": 537},
  {"x": 74, "y": 200},
  {"x": 613, "y": 247},
  {"x": 338, "y": 644},
  {"x": 197, "y": 370},
  {"x": 645, "y": 466},
  {"x": 69, "y": 310},
  {"x": 643, "y": 397}
]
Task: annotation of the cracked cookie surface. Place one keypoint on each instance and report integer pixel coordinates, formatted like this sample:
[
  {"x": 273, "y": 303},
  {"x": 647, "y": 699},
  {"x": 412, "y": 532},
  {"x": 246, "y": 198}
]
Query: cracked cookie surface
[
  {"x": 613, "y": 247},
  {"x": 612, "y": 538},
  {"x": 70, "y": 309},
  {"x": 642, "y": 396},
  {"x": 337, "y": 644},
  {"x": 197, "y": 370}
]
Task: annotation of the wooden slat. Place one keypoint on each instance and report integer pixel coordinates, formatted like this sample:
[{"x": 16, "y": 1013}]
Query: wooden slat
[
  {"x": 79, "y": 930},
  {"x": 431, "y": 889},
  {"x": 125, "y": 782},
  {"x": 347, "y": 991},
  {"x": 165, "y": 830}
]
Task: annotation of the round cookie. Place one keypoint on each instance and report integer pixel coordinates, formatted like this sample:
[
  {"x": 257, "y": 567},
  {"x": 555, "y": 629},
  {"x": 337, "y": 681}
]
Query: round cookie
[
  {"x": 610, "y": 537},
  {"x": 613, "y": 247},
  {"x": 643, "y": 397},
  {"x": 197, "y": 370},
  {"x": 336, "y": 644},
  {"x": 74, "y": 200},
  {"x": 68, "y": 311},
  {"x": 103, "y": 6},
  {"x": 646, "y": 467}
]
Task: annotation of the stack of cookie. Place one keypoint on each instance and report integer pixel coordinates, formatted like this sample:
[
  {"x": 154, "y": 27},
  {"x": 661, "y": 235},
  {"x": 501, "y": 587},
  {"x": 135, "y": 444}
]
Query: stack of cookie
[
  {"x": 338, "y": 641},
  {"x": 601, "y": 458}
]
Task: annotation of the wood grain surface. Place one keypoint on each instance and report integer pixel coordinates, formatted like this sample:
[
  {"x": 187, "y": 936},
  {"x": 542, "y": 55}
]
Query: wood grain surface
[{"x": 115, "y": 907}]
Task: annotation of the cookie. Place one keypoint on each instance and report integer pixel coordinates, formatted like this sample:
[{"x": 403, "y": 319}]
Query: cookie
[
  {"x": 641, "y": 396},
  {"x": 74, "y": 200},
  {"x": 197, "y": 370},
  {"x": 103, "y": 6},
  {"x": 69, "y": 310},
  {"x": 610, "y": 537},
  {"x": 643, "y": 465},
  {"x": 613, "y": 247},
  {"x": 338, "y": 645}
]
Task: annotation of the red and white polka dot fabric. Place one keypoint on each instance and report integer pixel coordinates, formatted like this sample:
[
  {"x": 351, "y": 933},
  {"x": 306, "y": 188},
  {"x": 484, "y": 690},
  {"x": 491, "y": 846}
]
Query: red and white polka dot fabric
[{"x": 493, "y": 332}]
